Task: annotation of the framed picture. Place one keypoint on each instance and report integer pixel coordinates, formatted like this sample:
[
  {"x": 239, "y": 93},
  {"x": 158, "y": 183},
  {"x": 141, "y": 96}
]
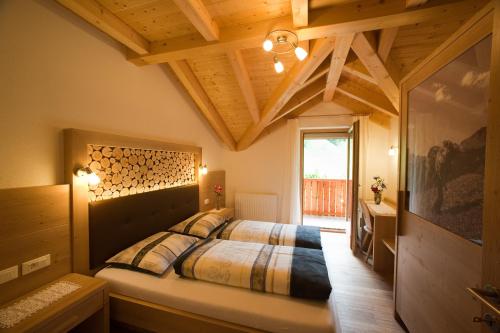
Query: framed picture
[{"x": 446, "y": 143}]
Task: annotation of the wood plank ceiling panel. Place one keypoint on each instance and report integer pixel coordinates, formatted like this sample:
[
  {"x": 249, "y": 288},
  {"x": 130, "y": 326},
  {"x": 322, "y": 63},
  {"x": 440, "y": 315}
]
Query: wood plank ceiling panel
[
  {"x": 155, "y": 20},
  {"x": 415, "y": 42},
  {"x": 260, "y": 68},
  {"x": 217, "y": 77},
  {"x": 235, "y": 12}
]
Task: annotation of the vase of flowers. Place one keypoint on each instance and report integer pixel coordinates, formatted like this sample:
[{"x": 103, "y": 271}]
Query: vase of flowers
[
  {"x": 218, "y": 195},
  {"x": 377, "y": 188}
]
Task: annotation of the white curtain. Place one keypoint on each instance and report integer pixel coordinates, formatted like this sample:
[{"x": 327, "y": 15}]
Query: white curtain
[{"x": 291, "y": 212}]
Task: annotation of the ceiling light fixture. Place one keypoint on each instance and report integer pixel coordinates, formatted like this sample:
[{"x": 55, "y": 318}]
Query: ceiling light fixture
[{"x": 283, "y": 42}]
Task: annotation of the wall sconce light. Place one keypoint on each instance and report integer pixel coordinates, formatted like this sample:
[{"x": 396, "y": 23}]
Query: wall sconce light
[
  {"x": 92, "y": 178},
  {"x": 203, "y": 169},
  {"x": 393, "y": 151}
]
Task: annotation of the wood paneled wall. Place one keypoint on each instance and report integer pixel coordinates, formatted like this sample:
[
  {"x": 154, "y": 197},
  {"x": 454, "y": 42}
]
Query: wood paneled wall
[
  {"x": 434, "y": 266},
  {"x": 34, "y": 221}
]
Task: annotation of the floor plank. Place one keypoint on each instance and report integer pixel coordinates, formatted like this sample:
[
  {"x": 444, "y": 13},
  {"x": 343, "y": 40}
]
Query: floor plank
[{"x": 363, "y": 298}]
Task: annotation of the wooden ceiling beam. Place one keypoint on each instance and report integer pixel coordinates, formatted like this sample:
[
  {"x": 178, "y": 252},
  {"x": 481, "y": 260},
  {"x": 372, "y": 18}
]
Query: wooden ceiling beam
[
  {"x": 302, "y": 97},
  {"x": 339, "y": 56},
  {"x": 368, "y": 15},
  {"x": 300, "y": 13},
  {"x": 375, "y": 66},
  {"x": 359, "y": 16},
  {"x": 386, "y": 40},
  {"x": 295, "y": 78},
  {"x": 305, "y": 107},
  {"x": 244, "y": 36},
  {"x": 356, "y": 107},
  {"x": 189, "y": 80},
  {"x": 198, "y": 15},
  {"x": 388, "y": 36},
  {"x": 367, "y": 95},
  {"x": 104, "y": 20},
  {"x": 241, "y": 73}
]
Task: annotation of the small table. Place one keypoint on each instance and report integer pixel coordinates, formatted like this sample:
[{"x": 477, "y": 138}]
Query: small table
[
  {"x": 86, "y": 309},
  {"x": 227, "y": 213},
  {"x": 384, "y": 235}
]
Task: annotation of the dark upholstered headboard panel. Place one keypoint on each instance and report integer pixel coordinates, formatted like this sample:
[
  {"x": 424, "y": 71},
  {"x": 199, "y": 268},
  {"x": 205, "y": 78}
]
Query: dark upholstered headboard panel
[{"x": 116, "y": 224}]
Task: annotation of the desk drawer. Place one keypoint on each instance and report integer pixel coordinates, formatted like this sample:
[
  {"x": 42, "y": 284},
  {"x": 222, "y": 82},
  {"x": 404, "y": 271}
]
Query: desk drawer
[{"x": 73, "y": 315}]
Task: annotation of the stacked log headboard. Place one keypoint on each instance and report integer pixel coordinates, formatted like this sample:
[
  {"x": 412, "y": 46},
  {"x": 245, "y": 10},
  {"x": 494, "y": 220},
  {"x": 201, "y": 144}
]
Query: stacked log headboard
[{"x": 159, "y": 199}]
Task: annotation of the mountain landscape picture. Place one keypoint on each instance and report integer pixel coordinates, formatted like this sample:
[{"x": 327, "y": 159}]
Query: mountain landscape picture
[{"x": 446, "y": 143}]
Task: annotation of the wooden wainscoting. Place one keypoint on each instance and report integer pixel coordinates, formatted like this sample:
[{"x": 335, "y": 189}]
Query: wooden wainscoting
[{"x": 34, "y": 221}]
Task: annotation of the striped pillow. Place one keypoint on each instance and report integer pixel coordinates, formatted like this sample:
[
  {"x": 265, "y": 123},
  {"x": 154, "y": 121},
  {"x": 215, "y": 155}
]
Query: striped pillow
[
  {"x": 199, "y": 225},
  {"x": 154, "y": 254}
]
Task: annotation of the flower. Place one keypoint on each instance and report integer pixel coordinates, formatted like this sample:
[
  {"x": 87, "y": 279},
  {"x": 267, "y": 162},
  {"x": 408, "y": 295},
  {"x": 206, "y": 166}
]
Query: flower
[
  {"x": 218, "y": 190},
  {"x": 378, "y": 186}
]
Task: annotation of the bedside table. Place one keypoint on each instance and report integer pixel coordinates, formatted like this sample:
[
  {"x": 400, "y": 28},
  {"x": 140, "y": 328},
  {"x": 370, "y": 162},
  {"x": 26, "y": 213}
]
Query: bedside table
[
  {"x": 227, "y": 213},
  {"x": 85, "y": 309}
]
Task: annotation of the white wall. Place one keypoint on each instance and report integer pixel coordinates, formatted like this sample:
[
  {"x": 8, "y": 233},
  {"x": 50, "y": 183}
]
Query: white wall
[
  {"x": 262, "y": 168},
  {"x": 57, "y": 71}
]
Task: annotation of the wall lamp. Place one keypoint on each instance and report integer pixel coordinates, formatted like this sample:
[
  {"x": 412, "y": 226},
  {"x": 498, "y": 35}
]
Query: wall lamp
[
  {"x": 393, "y": 151},
  {"x": 91, "y": 177},
  {"x": 203, "y": 169}
]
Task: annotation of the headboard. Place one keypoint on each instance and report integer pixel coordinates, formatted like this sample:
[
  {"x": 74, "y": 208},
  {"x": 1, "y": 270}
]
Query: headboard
[
  {"x": 129, "y": 156},
  {"x": 118, "y": 223}
]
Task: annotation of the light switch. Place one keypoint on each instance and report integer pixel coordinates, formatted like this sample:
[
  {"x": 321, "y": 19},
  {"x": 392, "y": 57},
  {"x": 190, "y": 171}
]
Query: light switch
[
  {"x": 35, "y": 264},
  {"x": 207, "y": 201},
  {"x": 8, "y": 274}
]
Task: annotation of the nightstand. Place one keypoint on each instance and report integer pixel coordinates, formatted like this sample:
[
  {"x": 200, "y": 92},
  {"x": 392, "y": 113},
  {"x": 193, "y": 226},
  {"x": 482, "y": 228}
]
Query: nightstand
[
  {"x": 85, "y": 309},
  {"x": 228, "y": 213}
]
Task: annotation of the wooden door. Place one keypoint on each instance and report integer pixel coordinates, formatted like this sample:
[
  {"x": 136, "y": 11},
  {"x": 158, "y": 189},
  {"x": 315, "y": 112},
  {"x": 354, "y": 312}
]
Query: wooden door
[
  {"x": 439, "y": 257},
  {"x": 353, "y": 175}
]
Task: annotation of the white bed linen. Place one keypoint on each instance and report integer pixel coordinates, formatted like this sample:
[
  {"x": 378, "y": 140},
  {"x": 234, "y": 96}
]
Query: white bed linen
[{"x": 273, "y": 313}]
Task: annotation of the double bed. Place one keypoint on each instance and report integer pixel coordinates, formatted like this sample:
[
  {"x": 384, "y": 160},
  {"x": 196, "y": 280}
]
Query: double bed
[{"x": 171, "y": 303}]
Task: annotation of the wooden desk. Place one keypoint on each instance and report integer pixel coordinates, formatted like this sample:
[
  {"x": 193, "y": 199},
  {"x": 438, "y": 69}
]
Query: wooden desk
[
  {"x": 84, "y": 310},
  {"x": 384, "y": 235}
]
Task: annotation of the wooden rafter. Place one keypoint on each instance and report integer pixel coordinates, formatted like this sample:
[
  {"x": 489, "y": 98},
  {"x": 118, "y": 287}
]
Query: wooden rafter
[
  {"x": 357, "y": 17},
  {"x": 339, "y": 56},
  {"x": 357, "y": 69},
  {"x": 356, "y": 107},
  {"x": 367, "y": 95},
  {"x": 386, "y": 39},
  {"x": 103, "y": 19},
  {"x": 300, "y": 13},
  {"x": 388, "y": 36},
  {"x": 188, "y": 79},
  {"x": 369, "y": 57},
  {"x": 302, "y": 97},
  {"x": 244, "y": 82},
  {"x": 371, "y": 15},
  {"x": 305, "y": 107},
  {"x": 299, "y": 73},
  {"x": 198, "y": 15}
]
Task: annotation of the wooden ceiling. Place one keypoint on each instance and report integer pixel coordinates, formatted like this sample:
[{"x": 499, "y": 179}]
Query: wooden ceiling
[{"x": 358, "y": 52}]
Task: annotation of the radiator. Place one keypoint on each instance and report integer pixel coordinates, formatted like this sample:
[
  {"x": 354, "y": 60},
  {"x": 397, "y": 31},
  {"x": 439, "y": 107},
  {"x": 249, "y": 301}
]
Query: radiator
[{"x": 254, "y": 206}]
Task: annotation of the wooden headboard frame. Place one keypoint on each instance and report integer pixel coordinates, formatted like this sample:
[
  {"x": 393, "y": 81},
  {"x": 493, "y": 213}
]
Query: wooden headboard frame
[
  {"x": 34, "y": 221},
  {"x": 75, "y": 155}
]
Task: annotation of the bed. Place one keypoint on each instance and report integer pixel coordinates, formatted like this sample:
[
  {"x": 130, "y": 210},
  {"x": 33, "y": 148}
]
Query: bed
[{"x": 174, "y": 304}]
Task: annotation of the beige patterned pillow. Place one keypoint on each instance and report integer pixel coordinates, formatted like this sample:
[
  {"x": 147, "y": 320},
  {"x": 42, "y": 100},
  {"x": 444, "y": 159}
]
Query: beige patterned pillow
[
  {"x": 199, "y": 225},
  {"x": 154, "y": 254}
]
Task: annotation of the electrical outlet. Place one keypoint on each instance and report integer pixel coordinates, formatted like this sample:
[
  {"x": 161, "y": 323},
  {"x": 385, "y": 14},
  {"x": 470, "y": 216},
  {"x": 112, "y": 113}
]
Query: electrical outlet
[
  {"x": 207, "y": 201},
  {"x": 35, "y": 264},
  {"x": 8, "y": 274}
]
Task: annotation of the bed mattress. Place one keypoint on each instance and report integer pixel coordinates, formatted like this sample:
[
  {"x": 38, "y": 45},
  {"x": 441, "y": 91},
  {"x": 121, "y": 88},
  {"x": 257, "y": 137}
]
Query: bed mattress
[{"x": 268, "y": 312}]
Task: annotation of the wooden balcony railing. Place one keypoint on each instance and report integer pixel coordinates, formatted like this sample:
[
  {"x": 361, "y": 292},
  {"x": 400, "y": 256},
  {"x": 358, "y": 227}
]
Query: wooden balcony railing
[{"x": 325, "y": 197}]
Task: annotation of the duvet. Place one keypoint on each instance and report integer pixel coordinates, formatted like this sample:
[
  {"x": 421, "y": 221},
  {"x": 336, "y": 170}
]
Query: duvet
[
  {"x": 285, "y": 270},
  {"x": 270, "y": 233}
]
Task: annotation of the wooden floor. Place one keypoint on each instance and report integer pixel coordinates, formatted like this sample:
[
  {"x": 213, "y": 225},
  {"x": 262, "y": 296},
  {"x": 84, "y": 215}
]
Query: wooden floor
[{"x": 363, "y": 298}]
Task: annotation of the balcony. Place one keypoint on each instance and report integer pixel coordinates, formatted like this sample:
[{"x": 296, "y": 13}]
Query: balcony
[{"x": 325, "y": 203}]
